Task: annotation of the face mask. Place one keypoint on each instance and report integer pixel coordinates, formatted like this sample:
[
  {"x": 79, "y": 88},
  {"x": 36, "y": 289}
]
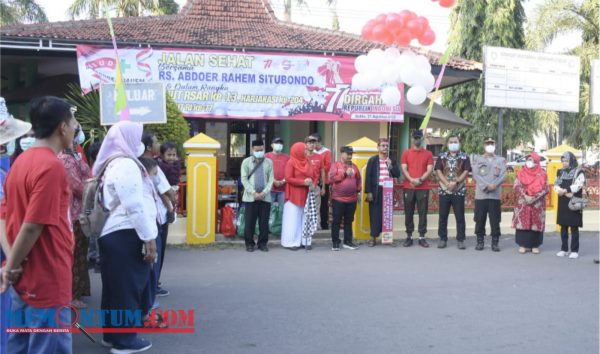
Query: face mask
[
  {"x": 80, "y": 138},
  {"x": 10, "y": 148},
  {"x": 454, "y": 147},
  {"x": 418, "y": 143},
  {"x": 27, "y": 142},
  {"x": 140, "y": 150},
  {"x": 278, "y": 147},
  {"x": 490, "y": 149},
  {"x": 530, "y": 164},
  {"x": 259, "y": 154}
]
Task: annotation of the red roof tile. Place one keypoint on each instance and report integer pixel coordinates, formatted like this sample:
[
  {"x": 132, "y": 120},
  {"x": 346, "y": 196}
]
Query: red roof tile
[{"x": 247, "y": 24}]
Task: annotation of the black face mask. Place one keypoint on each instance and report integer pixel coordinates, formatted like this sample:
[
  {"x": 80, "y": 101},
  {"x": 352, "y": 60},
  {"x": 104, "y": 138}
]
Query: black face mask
[{"x": 418, "y": 142}]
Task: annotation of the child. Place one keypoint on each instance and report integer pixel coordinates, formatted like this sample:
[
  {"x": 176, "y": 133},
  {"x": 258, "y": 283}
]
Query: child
[{"x": 169, "y": 163}]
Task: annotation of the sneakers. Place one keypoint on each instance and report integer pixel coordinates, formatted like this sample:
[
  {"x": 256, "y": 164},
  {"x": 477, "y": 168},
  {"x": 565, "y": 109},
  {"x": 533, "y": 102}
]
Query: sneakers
[
  {"x": 562, "y": 254},
  {"x": 479, "y": 246},
  {"x": 350, "y": 246},
  {"x": 461, "y": 245},
  {"x": 574, "y": 255},
  {"x": 162, "y": 292},
  {"x": 372, "y": 242},
  {"x": 138, "y": 345},
  {"x": 522, "y": 250},
  {"x": 535, "y": 250},
  {"x": 423, "y": 243},
  {"x": 442, "y": 243},
  {"x": 335, "y": 247},
  {"x": 408, "y": 242},
  {"x": 263, "y": 248},
  {"x": 308, "y": 248},
  {"x": 249, "y": 248}
]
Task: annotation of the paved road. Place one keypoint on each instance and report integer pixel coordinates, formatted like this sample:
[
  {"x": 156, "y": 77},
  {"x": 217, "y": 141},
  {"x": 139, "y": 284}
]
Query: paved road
[{"x": 381, "y": 300}]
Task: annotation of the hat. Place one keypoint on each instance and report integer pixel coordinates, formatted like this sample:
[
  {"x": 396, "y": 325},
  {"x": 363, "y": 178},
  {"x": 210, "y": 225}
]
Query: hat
[
  {"x": 258, "y": 143},
  {"x": 277, "y": 140},
  {"x": 10, "y": 127},
  {"x": 347, "y": 150},
  {"x": 417, "y": 134},
  {"x": 489, "y": 140},
  {"x": 310, "y": 138}
]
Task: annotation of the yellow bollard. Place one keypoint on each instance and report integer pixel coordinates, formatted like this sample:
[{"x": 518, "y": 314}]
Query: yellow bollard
[
  {"x": 554, "y": 164},
  {"x": 202, "y": 172},
  {"x": 363, "y": 148}
]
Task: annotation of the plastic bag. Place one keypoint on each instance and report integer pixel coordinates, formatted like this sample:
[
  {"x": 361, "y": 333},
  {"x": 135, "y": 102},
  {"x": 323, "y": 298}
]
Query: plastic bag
[
  {"x": 275, "y": 219},
  {"x": 227, "y": 222}
]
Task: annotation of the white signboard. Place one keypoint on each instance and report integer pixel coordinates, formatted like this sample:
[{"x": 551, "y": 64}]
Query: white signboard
[
  {"x": 530, "y": 80},
  {"x": 146, "y": 102},
  {"x": 595, "y": 87}
]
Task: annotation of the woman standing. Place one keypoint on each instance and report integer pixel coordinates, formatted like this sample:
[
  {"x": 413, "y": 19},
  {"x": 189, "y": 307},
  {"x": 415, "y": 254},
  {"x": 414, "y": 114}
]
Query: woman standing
[
  {"x": 529, "y": 218},
  {"x": 569, "y": 183},
  {"x": 127, "y": 242},
  {"x": 77, "y": 173},
  {"x": 298, "y": 178}
]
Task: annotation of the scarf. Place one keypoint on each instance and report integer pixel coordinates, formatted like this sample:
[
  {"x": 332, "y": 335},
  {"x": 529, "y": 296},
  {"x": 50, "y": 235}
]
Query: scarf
[
  {"x": 299, "y": 161},
  {"x": 533, "y": 179},
  {"x": 569, "y": 172}
]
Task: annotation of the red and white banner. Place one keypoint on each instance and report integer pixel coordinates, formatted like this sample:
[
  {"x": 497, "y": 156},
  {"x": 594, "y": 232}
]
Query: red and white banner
[
  {"x": 387, "y": 214},
  {"x": 244, "y": 85}
]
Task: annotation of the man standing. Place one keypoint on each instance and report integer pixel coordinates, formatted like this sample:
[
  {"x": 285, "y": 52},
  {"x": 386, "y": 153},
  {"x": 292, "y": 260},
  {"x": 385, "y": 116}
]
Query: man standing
[
  {"x": 318, "y": 166},
  {"x": 452, "y": 169},
  {"x": 347, "y": 184},
  {"x": 326, "y": 157},
  {"x": 379, "y": 168},
  {"x": 35, "y": 231},
  {"x": 489, "y": 171},
  {"x": 257, "y": 178},
  {"x": 417, "y": 166},
  {"x": 279, "y": 160}
]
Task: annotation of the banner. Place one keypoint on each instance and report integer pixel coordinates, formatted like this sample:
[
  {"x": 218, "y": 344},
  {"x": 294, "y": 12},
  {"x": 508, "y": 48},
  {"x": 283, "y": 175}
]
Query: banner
[
  {"x": 387, "y": 214},
  {"x": 243, "y": 85}
]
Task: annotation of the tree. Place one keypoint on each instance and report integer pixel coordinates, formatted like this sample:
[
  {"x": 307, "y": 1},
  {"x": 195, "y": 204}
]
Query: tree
[
  {"x": 176, "y": 128},
  {"x": 553, "y": 18},
  {"x": 21, "y": 11},
  {"x": 287, "y": 10},
  {"x": 475, "y": 24},
  {"x": 88, "y": 112},
  {"x": 124, "y": 8}
]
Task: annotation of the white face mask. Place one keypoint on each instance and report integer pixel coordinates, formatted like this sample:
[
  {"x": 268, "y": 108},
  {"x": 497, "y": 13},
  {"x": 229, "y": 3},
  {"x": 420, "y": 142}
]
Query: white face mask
[
  {"x": 80, "y": 138},
  {"x": 530, "y": 164},
  {"x": 490, "y": 149},
  {"x": 259, "y": 154},
  {"x": 27, "y": 142},
  {"x": 277, "y": 147},
  {"x": 453, "y": 147},
  {"x": 140, "y": 150}
]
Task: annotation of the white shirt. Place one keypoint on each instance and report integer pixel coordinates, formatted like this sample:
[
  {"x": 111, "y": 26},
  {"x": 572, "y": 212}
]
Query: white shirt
[
  {"x": 131, "y": 201},
  {"x": 576, "y": 185},
  {"x": 161, "y": 183}
]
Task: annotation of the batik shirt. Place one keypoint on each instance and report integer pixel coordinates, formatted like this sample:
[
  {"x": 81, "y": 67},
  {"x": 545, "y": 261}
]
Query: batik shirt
[{"x": 452, "y": 166}]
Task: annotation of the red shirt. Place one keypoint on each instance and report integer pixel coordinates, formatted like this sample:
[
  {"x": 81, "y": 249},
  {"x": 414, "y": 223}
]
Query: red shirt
[
  {"x": 316, "y": 161},
  {"x": 279, "y": 162},
  {"x": 417, "y": 162},
  {"x": 345, "y": 188},
  {"x": 36, "y": 191},
  {"x": 296, "y": 192},
  {"x": 326, "y": 156}
]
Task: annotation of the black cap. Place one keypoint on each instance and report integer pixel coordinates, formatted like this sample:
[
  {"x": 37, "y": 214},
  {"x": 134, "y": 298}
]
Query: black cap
[
  {"x": 489, "y": 140},
  {"x": 277, "y": 140},
  {"x": 417, "y": 134},
  {"x": 347, "y": 149},
  {"x": 258, "y": 143}
]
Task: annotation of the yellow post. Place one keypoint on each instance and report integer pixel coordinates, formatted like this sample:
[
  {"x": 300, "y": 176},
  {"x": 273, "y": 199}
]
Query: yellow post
[
  {"x": 364, "y": 148},
  {"x": 202, "y": 171},
  {"x": 554, "y": 164}
]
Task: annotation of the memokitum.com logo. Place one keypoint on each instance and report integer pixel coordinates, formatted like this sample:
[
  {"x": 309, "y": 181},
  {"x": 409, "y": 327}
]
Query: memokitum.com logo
[{"x": 100, "y": 321}]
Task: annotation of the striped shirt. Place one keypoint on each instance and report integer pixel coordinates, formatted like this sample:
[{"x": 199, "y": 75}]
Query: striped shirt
[{"x": 384, "y": 172}]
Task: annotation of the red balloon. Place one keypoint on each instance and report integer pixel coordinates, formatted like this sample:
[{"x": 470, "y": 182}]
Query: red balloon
[
  {"x": 415, "y": 27},
  {"x": 447, "y": 3},
  {"x": 427, "y": 38},
  {"x": 379, "y": 32},
  {"x": 424, "y": 22},
  {"x": 381, "y": 18},
  {"x": 403, "y": 39},
  {"x": 367, "y": 30},
  {"x": 407, "y": 15},
  {"x": 388, "y": 39}
]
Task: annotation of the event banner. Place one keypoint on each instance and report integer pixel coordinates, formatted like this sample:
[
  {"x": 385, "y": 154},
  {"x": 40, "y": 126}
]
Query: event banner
[
  {"x": 243, "y": 85},
  {"x": 387, "y": 215}
]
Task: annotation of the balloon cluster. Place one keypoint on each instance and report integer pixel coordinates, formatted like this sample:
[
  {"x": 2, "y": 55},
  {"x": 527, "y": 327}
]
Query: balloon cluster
[
  {"x": 446, "y": 3},
  {"x": 389, "y": 68},
  {"x": 399, "y": 28}
]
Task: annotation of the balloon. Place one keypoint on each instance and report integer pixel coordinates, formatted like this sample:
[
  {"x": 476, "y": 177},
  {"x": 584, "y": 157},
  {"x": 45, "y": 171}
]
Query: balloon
[
  {"x": 379, "y": 32},
  {"x": 361, "y": 63},
  {"x": 372, "y": 80},
  {"x": 407, "y": 15},
  {"x": 403, "y": 39},
  {"x": 391, "y": 95},
  {"x": 426, "y": 80},
  {"x": 389, "y": 74},
  {"x": 367, "y": 30},
  {"x": 416, "y": 95},
  {"x": 376, "y": 58},
  {"x": 447, "y": 3},
  {"x": 391, "y": 53},
  {"x": 394, "y": 24},
  {"x": 415, "y": 27},
  {"x": 409, "y": 75},
  {"x": 359, "y": 82},
  {"x": 381, "y": 18},
  {"x": 388, "y": 38},
  {"x": 421, "y": 63},
  {"x": 427, "y": 38}
]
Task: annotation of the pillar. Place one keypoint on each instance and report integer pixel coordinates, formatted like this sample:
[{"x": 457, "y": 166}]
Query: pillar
[
  {"x": 202, "y": 171},
  {"x": 284, "y": 127},
  {"x": 364, "y": 148}
]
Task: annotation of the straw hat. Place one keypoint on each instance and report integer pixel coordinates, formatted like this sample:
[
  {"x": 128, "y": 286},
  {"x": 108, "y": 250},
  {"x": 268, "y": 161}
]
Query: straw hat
[{"x": 10, "y": 127}]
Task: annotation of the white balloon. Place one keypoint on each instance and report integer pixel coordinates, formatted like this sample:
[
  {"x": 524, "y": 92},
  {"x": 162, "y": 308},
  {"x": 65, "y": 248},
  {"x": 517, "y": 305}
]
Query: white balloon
[
  {"x": 391, "y": 54},
  {"x": 416, "y": 95},
  {"x": 409, "y": 75},
  {"x": 361, "y": 63},
  {"x": 425, "y": 80},
  {"x": 390, "y": 95},
  {"x": 389, "y": 74},
  {"x": 373, "y": 80},
  {"x": 422, "y": 63},
  {"x": 376, "y": 59},
  {"x": 359, "y": 81}
]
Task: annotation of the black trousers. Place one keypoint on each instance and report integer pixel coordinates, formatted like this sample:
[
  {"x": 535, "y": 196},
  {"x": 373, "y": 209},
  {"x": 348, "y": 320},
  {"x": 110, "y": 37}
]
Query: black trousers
[
  {"x": 420, "y": 199},
  {"x": 564, "y": 237},
  {"x": 324, "y": 211},
  {"x": 254, "y": 210},
  {"x": 164, "y": 233},
  {"x": 345, "y": 211},
  {"x": 483, "y": 208},
  {"x": 375, "y": 210},
  {"x": 457, "y": 202}
]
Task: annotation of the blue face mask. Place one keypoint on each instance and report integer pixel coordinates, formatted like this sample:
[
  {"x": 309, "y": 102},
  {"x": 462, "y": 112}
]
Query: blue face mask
[
  {"x": 80, "y": 138},
  {"x": 10, "y": 148},
  {"x": 27, "y": 142}
]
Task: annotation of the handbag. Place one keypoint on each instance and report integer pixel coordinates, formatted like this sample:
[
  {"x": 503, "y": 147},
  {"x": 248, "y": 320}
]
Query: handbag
[{"x": 577, "y": 203}]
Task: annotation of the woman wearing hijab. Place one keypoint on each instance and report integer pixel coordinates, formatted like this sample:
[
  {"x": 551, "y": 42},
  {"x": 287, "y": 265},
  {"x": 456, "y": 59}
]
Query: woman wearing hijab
[
  {"x": 130, "y": 231},
  {"x": 298, "y": 178},
  {"x": 569, "y": 183},
  {"x": 529, "y": 218}
]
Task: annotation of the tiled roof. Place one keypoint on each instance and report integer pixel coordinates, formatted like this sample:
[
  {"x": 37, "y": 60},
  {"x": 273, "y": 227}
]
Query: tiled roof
[{"x": 248, "y": 24}]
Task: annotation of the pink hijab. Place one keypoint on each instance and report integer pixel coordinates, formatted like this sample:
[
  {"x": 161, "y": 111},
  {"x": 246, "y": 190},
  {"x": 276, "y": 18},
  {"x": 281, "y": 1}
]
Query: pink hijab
[{"x": 123, "y": 138}]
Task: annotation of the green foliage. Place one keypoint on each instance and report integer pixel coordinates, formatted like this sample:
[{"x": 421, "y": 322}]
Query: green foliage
[
  {"x": 475, "y": 24},
  {"x": 88, "y": 112},
  {"x": 176, "y": 128},
  {"x": 123, "y": 8},
  {"x": 21, "y": 11}
]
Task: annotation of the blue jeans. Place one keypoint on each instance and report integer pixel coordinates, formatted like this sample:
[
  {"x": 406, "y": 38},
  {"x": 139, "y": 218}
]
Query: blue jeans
[
  {"x": 279, "y": 198},
  {"x": 51, "y": 343},
  {"x": 4, "y": 314}
]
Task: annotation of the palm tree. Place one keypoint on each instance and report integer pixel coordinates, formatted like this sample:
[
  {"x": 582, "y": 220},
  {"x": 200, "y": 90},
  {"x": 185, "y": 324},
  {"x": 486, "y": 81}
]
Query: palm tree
[
  {"x": 554, "y": 18},
  {"x": 124, "y": 8},
  {"x": 21, "y": 11},
  {"x": 287, "y": 10}
]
